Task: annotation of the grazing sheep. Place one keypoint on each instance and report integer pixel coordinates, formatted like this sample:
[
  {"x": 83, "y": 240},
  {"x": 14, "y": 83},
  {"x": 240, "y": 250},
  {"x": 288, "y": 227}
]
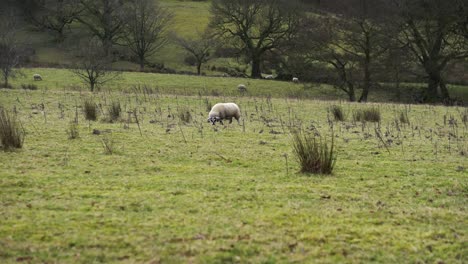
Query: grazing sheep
[
  {"x": 37, "y": 77},
  {"x": 269, "y": 77},
  {"x": 242, "y": 88},
  {"x": 222, "y": 111},
  {"x": 295, "y": 80}
]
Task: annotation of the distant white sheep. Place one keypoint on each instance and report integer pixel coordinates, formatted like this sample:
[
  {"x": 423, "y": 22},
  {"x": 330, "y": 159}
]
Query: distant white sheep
[
  {"x": 37, "y": 77},
  {"x": 295, "y": 80},
  {"x": 269, "y": 77},
  {"x": 242, "y": 88},
  {"x": 224, "y": 111}
]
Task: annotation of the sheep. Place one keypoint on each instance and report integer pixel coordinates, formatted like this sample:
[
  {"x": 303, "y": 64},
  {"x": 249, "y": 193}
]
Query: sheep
[
  {"x": 37, "y": 77},
  {"x": 242, "y": 88},
  {"x": 222, "y": 111},
  {"x": 269, "y": 77},
  {"x": 295, "y": 80}
]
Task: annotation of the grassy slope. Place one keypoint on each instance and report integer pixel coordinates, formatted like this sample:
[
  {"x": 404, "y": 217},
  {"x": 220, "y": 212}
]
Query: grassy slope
[
  {"x": 189, "y": 19},
  {"x": 193, "y": 193}
]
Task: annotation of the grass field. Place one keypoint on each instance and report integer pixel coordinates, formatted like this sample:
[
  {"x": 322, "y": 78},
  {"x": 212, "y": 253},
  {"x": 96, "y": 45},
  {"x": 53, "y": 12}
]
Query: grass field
[
  {"x": 176, "y": 192},
  {"x": 60, "y": 79}
]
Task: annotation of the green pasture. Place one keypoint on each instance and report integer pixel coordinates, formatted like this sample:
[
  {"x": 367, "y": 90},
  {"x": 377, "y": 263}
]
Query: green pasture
[
  {"x": 189, "y": 192},
  {"x": 63, "y": 79}
]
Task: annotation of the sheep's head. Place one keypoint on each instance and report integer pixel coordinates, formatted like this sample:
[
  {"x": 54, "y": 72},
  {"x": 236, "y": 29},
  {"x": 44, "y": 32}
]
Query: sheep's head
[{"x": 214, "y": 119}]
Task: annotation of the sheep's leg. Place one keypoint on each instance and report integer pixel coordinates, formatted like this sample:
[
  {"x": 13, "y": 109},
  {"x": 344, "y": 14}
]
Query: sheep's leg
[
  {"x": 221, "y": 121},
  {"x": 230, "y": 120}
]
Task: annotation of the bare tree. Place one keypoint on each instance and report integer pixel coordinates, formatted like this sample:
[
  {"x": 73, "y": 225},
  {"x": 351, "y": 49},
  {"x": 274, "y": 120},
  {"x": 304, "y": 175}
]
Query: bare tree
[
  {"x": 435, "y": 32},
  {"x": 256, "y": 26},
  {"x": 359, "y": 34},
  {"x": 146, "y": 28},
  {"x": 93, "y": 66},
  {"x": 9, "y": 47},
  {"x": 54, "y": 15},
  {"x": 200, "y": 49},
  {"x": 317, "y": 48},
  {"x": 105, "y": 19}
]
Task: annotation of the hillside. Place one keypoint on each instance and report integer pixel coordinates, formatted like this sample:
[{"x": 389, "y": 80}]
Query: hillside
[{"x": 189, "y": 18}]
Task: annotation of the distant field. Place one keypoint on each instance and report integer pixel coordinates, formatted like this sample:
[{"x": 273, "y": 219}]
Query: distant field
[
  {"x": 62, "y": 79},
  {"x": 177, "y": 192}
]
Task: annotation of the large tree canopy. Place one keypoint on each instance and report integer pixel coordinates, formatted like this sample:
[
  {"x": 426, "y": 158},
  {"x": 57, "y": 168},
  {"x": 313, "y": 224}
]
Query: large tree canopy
[
  {"x": 105, "y": 19},
  {"x": 357, "y": 36},
  {"x": 256, "y": 26},
  {"x": 435, "y": 32},
  {"x": 146, "y": 28},
  {"x": 53, "y": 15}
]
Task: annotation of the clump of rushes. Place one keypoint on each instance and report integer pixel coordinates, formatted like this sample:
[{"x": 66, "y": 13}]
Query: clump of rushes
[
  {"x": 314, "y": 156},
  {"x": 404, "y": 117},
  {"x": 367, "y": 115},
  {"x": 11, "y": 136},
  {"x": 72, "y": 131},
  {"x": 29, "y": 86},
  {"x": 90, "y": 110},
  {"x": 114, "y": 111},
  {"x": 338, "y": 113},
  {"x": 185, "y": 115}
]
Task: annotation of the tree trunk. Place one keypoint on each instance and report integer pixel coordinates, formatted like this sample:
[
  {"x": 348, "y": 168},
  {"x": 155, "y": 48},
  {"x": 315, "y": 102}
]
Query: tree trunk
[
  {"x": 366, "y": 88},
  {"x": 199, "y": 68},
  {"x": 107, "y": 46},
  {"x": 256, "y": 72},
  {"x": 367, "y": 76},
  {"x": 91, "y": 85},
  {"x": 60, "y": 35},
  {"x": 346, "y": 85},
  {"x": 351, "y": 94},
  {"x": 142, "y": 63},
  {"x": 431, "y": 92},
  {"x": 6, "y": 81},
  {"x": 444, "y": 90},
  {"x": 436, "y": 89}
]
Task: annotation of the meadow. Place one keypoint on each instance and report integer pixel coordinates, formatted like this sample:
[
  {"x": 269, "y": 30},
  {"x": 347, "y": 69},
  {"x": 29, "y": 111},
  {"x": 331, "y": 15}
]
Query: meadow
[{"x": 159, "y": 184}]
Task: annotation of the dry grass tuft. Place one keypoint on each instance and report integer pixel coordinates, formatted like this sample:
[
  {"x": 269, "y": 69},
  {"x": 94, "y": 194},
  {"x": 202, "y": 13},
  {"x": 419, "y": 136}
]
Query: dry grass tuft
[
  {"x": 314, "y": 155},
  {"x": 11, "y": 136}
]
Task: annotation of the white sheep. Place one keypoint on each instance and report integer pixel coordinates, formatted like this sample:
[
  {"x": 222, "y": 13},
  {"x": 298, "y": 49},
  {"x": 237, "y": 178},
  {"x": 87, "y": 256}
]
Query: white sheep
[
  {"x": 269, "y": 77},
  {"x": 295, "y": 80},
  {"x": 242, "y": 88},
  {"x": 222, "y": 111},
  {"x": 37, "y": 77}
]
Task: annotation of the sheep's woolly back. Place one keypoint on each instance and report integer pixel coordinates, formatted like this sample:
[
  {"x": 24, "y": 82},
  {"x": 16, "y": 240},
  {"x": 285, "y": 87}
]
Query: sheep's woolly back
[{"x": 225, "y": 110}]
